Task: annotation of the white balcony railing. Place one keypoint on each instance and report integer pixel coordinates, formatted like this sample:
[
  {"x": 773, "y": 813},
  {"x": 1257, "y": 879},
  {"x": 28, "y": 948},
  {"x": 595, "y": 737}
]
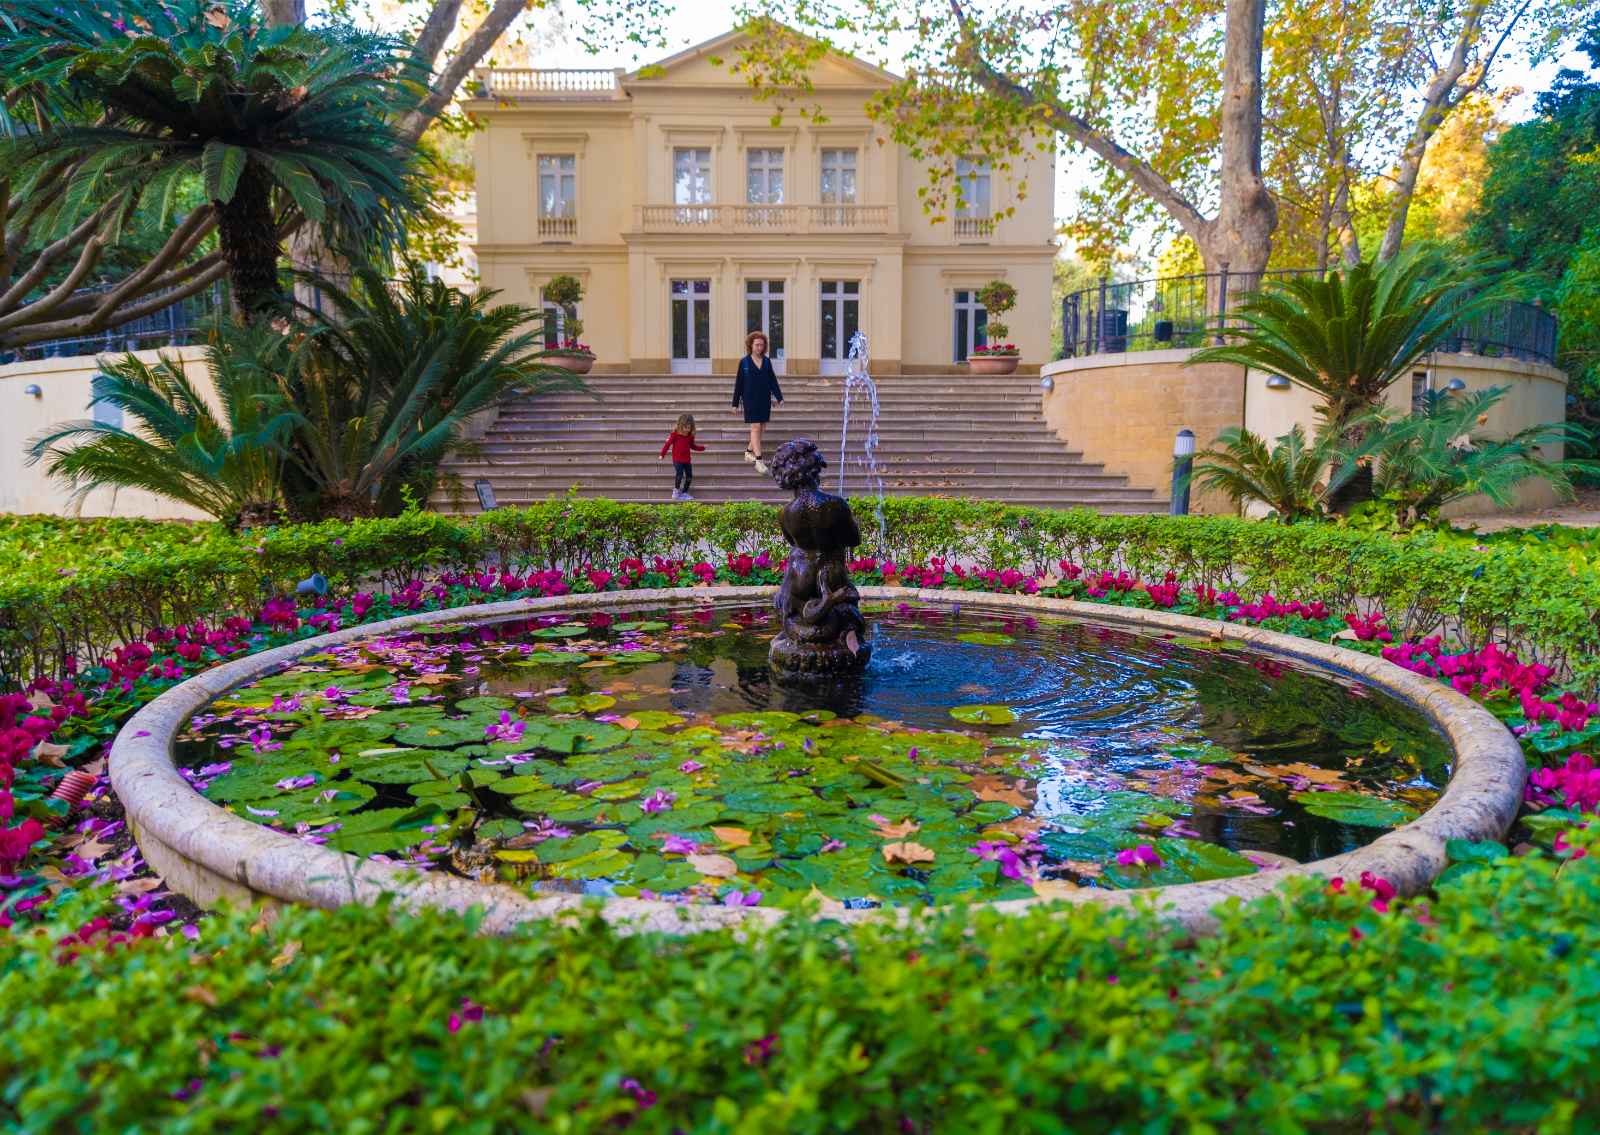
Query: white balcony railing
[
  {"x": 974, "y": 228},
  {"x": 558, "y": 228},
  {"x": 543, "y": 82},
  {"x": 776, "y": 219}
]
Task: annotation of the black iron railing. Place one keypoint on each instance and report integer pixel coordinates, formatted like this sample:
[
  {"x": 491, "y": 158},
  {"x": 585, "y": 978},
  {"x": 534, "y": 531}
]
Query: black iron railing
[
  {"x": 173, "y": 326},
  {"x": 1192, "y": 311}
]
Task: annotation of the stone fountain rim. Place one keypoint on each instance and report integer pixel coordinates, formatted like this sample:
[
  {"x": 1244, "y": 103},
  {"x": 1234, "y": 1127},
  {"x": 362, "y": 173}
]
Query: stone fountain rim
[{"x": 212, "y": 855}]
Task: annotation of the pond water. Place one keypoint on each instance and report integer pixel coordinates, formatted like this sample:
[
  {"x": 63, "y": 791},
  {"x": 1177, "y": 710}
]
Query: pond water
[{"x": 981, "y": 756}]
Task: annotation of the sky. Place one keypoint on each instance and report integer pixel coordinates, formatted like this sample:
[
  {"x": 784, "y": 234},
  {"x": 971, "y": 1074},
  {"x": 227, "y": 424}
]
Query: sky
[{"x": 695, "y": 21}]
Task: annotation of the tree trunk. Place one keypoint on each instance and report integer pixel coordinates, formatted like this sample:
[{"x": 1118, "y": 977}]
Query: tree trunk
[
  {"x": 1239, "y": 239},
  {"x": 249, "y": 242},
  {"x": 284, "y": 12}
]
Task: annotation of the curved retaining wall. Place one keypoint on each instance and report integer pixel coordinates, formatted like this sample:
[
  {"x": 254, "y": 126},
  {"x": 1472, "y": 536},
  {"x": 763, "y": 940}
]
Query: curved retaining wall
[{"x": 210, "y": 854}]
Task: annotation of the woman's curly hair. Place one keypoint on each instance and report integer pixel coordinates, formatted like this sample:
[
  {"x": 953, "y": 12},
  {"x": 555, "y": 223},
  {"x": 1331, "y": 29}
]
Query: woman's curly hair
[{"x": 798, "y": 464}]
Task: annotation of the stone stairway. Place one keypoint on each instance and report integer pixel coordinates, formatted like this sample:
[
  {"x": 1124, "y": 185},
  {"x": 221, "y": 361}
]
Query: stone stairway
[{"x": 939, "y": 435}]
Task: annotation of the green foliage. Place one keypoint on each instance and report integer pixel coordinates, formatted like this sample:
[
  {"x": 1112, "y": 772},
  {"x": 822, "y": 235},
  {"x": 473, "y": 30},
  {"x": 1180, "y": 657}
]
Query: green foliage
[
  {"x": 1291, "y": 478},
  {"x": 1350, "y": 335},
  {"x": 176, "y": 446},
  {"x": 384, "y": 392},
  {"x": 271, "y": 120},
  {"x": 1438, "y": 454},
  {"x": 1306, "y": 1013},
  {"x": 1535, "y": 591}
]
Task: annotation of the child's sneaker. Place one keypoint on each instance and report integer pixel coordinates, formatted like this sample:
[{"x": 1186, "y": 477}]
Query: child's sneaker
[
  {"x": 685, "y": 497},
  {"x": 751, "y": 455},
  {"x": 762, "y": 467}
]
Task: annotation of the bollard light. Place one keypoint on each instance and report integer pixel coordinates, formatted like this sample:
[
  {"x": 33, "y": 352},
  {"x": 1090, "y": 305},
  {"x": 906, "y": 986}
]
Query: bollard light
[{"x": 1182, "y": 464}]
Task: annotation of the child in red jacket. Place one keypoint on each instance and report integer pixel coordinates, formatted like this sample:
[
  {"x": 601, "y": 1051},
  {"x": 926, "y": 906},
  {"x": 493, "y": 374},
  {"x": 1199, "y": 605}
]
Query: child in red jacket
[{"x": 681, "y": 442}]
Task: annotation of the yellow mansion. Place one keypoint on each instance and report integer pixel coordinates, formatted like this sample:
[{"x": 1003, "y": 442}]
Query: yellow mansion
[{"x": 690, "y": 218}]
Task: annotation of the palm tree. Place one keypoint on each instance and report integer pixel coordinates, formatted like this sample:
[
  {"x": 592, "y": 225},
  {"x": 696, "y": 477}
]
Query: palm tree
[
  {"x": 273, "y": 122},
  {"x": 228, "y": 466},
  {"x": 1437, "y": 455},
  {"x": 384, "y": 391},
  {"x": 1348, "y": 336},
  {"x": 1291, "y": 477}
]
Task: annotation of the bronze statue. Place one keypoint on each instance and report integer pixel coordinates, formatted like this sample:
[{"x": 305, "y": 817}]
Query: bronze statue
[{"x": 823, "y": 631}]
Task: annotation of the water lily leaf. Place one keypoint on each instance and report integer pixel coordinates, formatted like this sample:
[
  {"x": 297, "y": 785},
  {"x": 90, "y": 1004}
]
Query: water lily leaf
[
  {"x": 485, "y": 703},
  {"x": 984, "y": 714},
  {"x": 408, "y": 767},
  {"x": 732, "y": 837},
  {"x": 441, "y": 733},
  {"x": 768, "y": 721},
  {"x": 986, "y": 638},
  {"x": 518, "y": 785},
  {"x": 573, "y": 736},
  {"x": 648, "y": 626},
  {"x": 325, "y": 802},
  {"x": 633, "y": 657},
  {"x": 650, "y": 719},
  {"x": 1355, "y": 809},
  {"x": 563, "y": 630},
  {"x": 552, "y": 658},
  {"x": 340, "y": 736},
  {"x": 519, "y": 855},
  {"x": 499, "y": 829},
  {"x": 384, "y": 830},
  {"x": 580, "y": 703},
  {"x": 1182, "y": 861}
]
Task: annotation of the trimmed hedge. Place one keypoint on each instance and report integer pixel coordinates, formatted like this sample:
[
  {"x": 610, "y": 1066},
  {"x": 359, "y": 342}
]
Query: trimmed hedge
[
  {"x": 1544, "y": 605},
  {"x": 1310, "y": 1013}
]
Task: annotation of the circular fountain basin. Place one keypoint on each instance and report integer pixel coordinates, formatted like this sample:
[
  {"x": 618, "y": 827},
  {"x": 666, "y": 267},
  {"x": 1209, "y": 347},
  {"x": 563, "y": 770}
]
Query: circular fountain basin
[{"x": 1114, "y": 707}]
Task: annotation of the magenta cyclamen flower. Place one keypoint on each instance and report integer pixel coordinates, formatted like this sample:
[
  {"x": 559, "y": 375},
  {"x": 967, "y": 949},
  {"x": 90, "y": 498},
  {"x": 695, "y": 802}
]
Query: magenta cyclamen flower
[
  {"x": 470, "y": 1011},
  {"x": 1141, "y": 856}
]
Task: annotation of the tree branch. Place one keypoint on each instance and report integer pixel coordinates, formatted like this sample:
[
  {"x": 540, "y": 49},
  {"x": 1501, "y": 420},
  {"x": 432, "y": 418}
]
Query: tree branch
[
  {"x": 49, "y": 254},
  {"x": 1063, "y": 121},
  {"x": 179, "y": 244},
  {"x": 88, "y": 324},
  {"x": 436, "y": 32},
  {"x": 500, "y": 18}
]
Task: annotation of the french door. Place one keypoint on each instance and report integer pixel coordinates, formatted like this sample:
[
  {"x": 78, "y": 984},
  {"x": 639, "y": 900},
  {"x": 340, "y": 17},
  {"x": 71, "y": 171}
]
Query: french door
[
  {"x": 763, "y": 311},
  {"x": 971, "y": 325},
  {"x": 841, "y": 318},
  {"x": 691, "y": 326}
]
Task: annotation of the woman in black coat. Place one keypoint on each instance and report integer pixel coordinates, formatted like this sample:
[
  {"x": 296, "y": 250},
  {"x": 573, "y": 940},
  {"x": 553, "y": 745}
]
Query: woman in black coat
[{"x": 755, "y": 389}]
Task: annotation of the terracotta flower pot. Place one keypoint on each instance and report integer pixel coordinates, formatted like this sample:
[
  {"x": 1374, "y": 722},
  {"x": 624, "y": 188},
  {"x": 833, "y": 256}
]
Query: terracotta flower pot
[
  {"x": 993, "y": 364},
  {"x": 577, "y": 364}
]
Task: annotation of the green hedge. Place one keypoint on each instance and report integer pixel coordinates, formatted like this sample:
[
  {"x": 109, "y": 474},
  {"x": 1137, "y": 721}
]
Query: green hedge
[
  {"x": 1310, "y": 1013},
  {"x": 1544, "y": 604}
]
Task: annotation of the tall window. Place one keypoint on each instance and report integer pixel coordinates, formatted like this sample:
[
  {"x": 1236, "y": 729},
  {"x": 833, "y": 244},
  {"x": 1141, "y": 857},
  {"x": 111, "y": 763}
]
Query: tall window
[
  {"x": 971, "y": 324},
  {"x": 558, "y": 195},
  {"x": 691, "y": 184},
  {"x": 838, "y": 177},
  {"x": 974, "y": 216},
  {"x": 764, "y": 176},
  {"x": 555, "y": 322}
]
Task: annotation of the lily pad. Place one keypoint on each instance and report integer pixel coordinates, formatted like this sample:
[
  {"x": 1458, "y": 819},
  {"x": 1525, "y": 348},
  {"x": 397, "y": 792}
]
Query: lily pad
[
  {"x": 984, "y": 714},
  {"x": 580, "y": 703},
  {"x": 443, "y": 733},
  {"x": 552, "y": 658},
  {"x": 1355, "y": 809},
  {"x": 986, "y": 638}
]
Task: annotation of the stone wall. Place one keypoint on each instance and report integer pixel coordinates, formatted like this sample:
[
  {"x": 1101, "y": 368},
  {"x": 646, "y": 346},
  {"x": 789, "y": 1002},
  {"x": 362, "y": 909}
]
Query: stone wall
[{"x": 1123, "y": 410}]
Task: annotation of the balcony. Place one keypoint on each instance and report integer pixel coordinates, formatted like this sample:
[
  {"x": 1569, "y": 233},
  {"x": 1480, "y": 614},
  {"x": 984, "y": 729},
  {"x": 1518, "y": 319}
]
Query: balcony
[
  {"x": 548, "y": 83},
  {"x": 558, "y": 228},
  {"x": 774, "y": 219},
  {"x": 974, "y": 228}
]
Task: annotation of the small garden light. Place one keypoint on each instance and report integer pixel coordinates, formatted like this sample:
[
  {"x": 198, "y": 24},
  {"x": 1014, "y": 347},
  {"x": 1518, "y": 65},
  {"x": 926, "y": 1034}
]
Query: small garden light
[
  {"x": 1454, "y": 386},
  {"x": 1047, "y": 384},
  {"x": 32, "y": 390},
  {"x": 1277, "y": 382},
  {"x": 1182, "y": 464}
]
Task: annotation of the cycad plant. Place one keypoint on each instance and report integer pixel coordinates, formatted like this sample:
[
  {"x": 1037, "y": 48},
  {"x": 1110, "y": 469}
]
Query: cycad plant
[
  {"x": 385, "y": 390},
  {"x": 1439, "y": 454},
  {"x": 275, "y": 123},
  {"x": 1293, "y": 477},
  {"x": 226, "y": 464},
  {"x": 1348, "y": 336}
]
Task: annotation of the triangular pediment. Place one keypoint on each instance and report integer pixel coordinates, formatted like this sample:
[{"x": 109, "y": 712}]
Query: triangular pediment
[{"x": 707, "y": 64}]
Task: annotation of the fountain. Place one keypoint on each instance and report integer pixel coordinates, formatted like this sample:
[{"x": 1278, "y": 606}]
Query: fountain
[
  {"x": 858, "y": 380},
  {"x": 823, "y": 631}
]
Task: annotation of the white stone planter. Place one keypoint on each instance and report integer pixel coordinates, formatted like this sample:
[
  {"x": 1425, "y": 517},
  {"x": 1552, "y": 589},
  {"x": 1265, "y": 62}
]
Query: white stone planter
[
  {"x": 577, "y": 364},
  {"x": 993, "y": 364}
]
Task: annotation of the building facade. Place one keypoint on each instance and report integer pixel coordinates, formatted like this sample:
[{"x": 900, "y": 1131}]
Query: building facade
[{"x": 691, "y": 217}]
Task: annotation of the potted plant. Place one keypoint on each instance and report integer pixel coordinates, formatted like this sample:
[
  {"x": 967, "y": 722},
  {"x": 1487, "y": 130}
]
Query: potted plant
[
  {"x": 996, "y": 356},
  {"x": 569, "y": 352}
]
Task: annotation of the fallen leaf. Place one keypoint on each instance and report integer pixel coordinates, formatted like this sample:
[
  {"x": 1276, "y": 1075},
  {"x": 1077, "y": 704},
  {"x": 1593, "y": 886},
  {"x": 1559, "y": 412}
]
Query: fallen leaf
[
  {"x": 536, "y": 1100},
  {"x": 1056, "y": 888},
  {"x": 627, "y": 722},
  {"x": 218, "y": 18},
  {"x": 201, "y": 994},
  {"x": 1001, "y": 789},
  {"x": 138, "y": 886},
  {"x": 287, "y": 954},
  {"x": 49, "y": 754},
  {"x": 91, "y": 849},
  {"x": 896, "y": 831},
  {"x": 907, "y": 853},
  {"x": 831, "y": 908},
  {"x": 717, "y": 866},
  {"x": 40, "y": 700},
  {"x": 731, "y": 837}
]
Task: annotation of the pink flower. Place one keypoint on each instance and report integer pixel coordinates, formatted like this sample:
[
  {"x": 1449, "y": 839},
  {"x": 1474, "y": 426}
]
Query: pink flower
[
  {"x": 470, "y": 1011},
  {"x": 675, "y": 844},
  {"x": 690, "y": 766},
  {"x": 1141, "y": 856},
  {"x": 658, "y": 801}
]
